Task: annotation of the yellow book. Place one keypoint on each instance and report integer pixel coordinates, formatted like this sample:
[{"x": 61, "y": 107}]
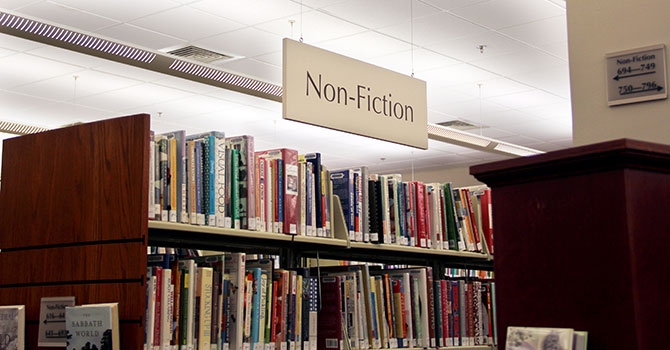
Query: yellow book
[{"x": 204, "y": 290}]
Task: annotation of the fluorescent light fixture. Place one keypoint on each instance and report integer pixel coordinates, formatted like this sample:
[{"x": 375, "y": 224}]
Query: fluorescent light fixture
[
  {"x": 94, "y": 45},
  {"x": 19, "y": 129},
  {"x": 477, "y": 142}
]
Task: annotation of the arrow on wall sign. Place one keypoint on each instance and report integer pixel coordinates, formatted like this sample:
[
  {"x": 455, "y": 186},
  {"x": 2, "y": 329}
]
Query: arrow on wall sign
[{"x": 617, "y": 77}]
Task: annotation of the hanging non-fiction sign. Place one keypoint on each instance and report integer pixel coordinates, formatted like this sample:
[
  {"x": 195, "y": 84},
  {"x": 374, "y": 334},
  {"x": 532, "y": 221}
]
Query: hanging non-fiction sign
[
  {"x": 334, "y": 91},
  {"x": 636, "y": 75}
]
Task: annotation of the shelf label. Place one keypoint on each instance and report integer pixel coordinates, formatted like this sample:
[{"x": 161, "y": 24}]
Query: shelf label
[
  {"x": 52, "y": 321},
  {"x": 636, "y": 75},
  {"x": 337, "y": 92}
]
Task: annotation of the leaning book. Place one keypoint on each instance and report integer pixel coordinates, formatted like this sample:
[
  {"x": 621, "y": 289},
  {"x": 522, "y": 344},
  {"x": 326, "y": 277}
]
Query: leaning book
[
  {"x": 94, "y": 326},
  {"x": 531, "y": 338},
  {"x": 12, "y": 327}
]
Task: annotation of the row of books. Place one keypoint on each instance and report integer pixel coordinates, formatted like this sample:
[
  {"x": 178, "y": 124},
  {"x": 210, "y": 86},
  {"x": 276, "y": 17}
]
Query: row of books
[
  {"x": 403, "y": 308},
  {"x": 226, "y": 302},
  {"x": 385, "y": 209},
  {"x": 209, "y": 179}
]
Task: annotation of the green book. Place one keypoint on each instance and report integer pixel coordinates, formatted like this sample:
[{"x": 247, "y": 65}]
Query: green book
[
  {"x": 448, "y": 213},
  {"x": 235, "y": 188}
]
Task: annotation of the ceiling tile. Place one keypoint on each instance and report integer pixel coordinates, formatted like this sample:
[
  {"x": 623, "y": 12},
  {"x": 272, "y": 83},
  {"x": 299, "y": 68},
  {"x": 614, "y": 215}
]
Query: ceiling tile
[
  {"x": 133, "y": 72},
  {"x": 521, "y": 140},
  {"x": 467, "y": 48},
  {"x": 57, "y": 114},
  {"x": 195, "y": 105},
  {"x": 500, "y": 119},
  {"x": 492, "y": 87},
  {"x": 274, "y": 58},
  {"x": 554, "y": 79},
  {"x": 444, "y": 95},
  {"x": 12, "y": 103},
  {"x": 254, "y": 68},
  {"x": 318, "y": 3},
  {"x": 455, "y": 75},
  {"x": 186, "y": 23},
  {"x": 17, "y": 44},
  {"x": 561, "y": 110},
  {"x": 23, "y": 69},
  {"x": 470, "y": 108},
  {"x": 7, "y": 52},
  {"x": 364, "y": 45},
  {"x": 249, "y": 12},
  {"x": 386, "y": 12},
  {"x": 247, "y": 42},
  {"x": 138, "y": 36},
  {"x": 186, "y": 85},
  {"x": 132, "y": 100},
  {"x": 120, "y": 10},
  {"x": 66, "y": 88},
  {"x": 402, "y": 61},
  {"x": 546, "y": 31},
  {"x": 65, "y": 15},
  {"x": 249, "y": 100},
  {"x": 16, "y": 4},
  {"x": 559, "y": 49},
  {"x": 545, "y": 130},
  {"x": 526, "y": 99},
  {"x": 524, "y": 60},
  {"x": 434, "y": 29},
  {"x": 316, "y": 27},
  {"x": 499, "y": 14},
  {"x": 452, "y": 4}
]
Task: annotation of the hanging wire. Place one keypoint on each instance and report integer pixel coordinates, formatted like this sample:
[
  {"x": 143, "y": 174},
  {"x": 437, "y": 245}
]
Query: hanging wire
[
  {"x": 301, "y": 10},
  {"x": 412, "y": 165},
  {"x": 481, "y": 121},
  {"x": 411, "y": 32},
  {"x": 74, "y": 93},
  {"x": 292, "y": 22}
]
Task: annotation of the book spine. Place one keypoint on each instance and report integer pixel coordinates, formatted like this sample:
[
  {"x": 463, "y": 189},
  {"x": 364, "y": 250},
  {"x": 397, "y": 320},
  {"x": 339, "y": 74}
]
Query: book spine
[
  {"x": 315, "y": 159},
  {"x": 456, "y": 312},
  {"x": 269, "y": 195},
  {"x": 205, "y": 327},
  {"x": 172, "y": 176},
  {"x": 291, "y": 214},
  {"x": 220, "y": 194},
  {"x": 192, "y": 194},
  {"x": 200, "y": 218},
  {"x": 166, "y": 310},
  {"x": 235, "y": 189},
  {"x": 302, "y": 198},
  {"x": 473, "y": 221},
  {"x": 446, "y": 314},
  {"x": 261, "y": 193},
  {"x": 206, "y": 179},
  {"x": 437, "y": 312},
  {"x": 151, "y": 307},
  {"x": 152, "y": 179},
  {"x": 280, "y": 195},
  {"x": 430, "y": 293},
  {"x": 330, "y": 327}
]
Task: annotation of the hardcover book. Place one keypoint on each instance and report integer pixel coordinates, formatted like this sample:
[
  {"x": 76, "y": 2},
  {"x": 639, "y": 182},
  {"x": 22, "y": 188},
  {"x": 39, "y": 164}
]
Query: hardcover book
[
  {"x": 93, "y": 326},
  {"x": 531, "y": 338},
  {"x": 12, "y": 327}
]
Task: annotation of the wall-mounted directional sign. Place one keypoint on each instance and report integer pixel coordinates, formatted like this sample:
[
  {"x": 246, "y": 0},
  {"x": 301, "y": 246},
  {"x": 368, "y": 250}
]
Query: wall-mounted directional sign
[{"x": 636, "y": 75}]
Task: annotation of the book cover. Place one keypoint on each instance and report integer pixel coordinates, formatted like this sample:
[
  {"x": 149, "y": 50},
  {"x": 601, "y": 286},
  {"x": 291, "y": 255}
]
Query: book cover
[
  {"x": 456, "y": 312},
  {"x": 246, "y": 185},
  {"x": 330, "y": 322},
  {"x": 235, "y": 200},
  {"x": 343, "y": 187},
  {"x": 204, "y": 286},
  {"x": 487, "y": 218},
  {"x": 315, "y": 160},
  {"x": 473, "y": 221},
  {"x": 374, "y": 203},
  {"x": 192, "y": 195},
  {"x": 235, "y": 267},
  {"x": 187, "y": 318},
  {"x": 12, "y": 327},
  {"x": 93, "y": 326},
  {"x": 532, "y": 338}
]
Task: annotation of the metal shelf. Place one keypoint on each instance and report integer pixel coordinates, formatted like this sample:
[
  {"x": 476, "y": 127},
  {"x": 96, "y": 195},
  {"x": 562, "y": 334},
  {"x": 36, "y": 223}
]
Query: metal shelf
[{"x": 214, "y": 238}]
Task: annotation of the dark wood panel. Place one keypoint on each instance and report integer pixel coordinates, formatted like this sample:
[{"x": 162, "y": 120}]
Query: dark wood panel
[
  {"x": 605, "y": 156},
  {"x": 562, "y": 258},
  {"x": 82, "y": 183},
  {"x": 648, "y": 208},
  {"x": 79, "y": 263}
]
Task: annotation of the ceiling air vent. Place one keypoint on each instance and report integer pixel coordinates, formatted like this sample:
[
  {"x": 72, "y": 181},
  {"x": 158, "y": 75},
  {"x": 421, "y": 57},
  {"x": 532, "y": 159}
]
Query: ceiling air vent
[
  {"x": 19, "y": 129},
  {"x": 199, "y": 54},
  {"x": 460, "y": 125}
]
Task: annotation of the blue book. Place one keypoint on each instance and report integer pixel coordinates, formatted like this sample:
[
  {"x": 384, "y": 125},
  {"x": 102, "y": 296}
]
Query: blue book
[
  {"x": 309, "y": 194},
  {"x": 198, "y": 176},
  {"x": 343, "y": 188},
  {"x": 280, "y": 194},
  {"x": 375, "y": 325},
  {"x": 255, "y": 304},
  {"x": 212, "y": 180},
  {"x": 315, "y": 160}
]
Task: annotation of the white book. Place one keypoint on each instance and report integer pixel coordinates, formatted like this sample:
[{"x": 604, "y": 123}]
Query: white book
[
  {"x": 94, "y": 324},
  {"x": 262, "y": 185},
  {"x": 269, "y": 199},
  {"x": 204, "y": 286},
  {"x": 531, "y": 338},
  {"x": 151, "y": 304},
  {"x": 302, "y": 197},
  {"x": 12, "y": 327}
]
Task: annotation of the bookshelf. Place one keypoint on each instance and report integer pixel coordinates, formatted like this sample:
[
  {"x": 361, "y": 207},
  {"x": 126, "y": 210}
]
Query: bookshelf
[
  {"x": 581, "y": 241},
  {"x": 73, "y": 210}
]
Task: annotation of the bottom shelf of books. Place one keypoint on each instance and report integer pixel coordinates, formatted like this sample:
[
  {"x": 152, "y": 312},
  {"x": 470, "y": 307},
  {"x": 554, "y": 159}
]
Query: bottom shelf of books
[{"x": 247, "y": 301}]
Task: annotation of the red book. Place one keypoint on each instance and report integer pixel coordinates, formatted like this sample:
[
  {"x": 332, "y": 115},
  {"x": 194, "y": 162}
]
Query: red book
[
  {"x": 487, "y": 219},
  {"x": 273, "y": 322},
  {"x": 279, "y": 322},
  {"x": 445, "y": 312},
  {"x": 289, "y": 171},
  {"x": 421, "y": 215},
  {"x": 428, "y": 196},
  {"x": 330, "y": 316},
  {"x": 158, "y": 272},
  {"x": 456, "y": 312},
  {"x": 469, "y": 310}
]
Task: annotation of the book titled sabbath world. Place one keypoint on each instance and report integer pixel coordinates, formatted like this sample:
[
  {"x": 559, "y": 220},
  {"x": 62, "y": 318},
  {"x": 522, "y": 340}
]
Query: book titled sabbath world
[
  {"x": 93, "y": 327},
  {"x": 531, "y": 338},
  {"x": 12, "y": 326}
]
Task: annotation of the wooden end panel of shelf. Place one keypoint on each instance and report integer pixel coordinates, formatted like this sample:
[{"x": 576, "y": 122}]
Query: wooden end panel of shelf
[
  {"x": 118, "y": 261},
  {"x": 647, "y": 215},
  {"x": 130, "y": 297},
  {"x": 582, "y": 237},
  {"x": 83, "y": 183}
]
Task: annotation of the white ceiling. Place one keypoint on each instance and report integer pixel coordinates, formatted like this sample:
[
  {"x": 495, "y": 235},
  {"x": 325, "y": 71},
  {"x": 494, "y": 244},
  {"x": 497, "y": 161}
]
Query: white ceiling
[{"x": 518, "y": 88}]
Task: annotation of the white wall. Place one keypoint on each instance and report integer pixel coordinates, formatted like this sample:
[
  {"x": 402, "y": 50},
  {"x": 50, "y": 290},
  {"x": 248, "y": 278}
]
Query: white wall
[
  {"x": 459, "y": 177},
  {"x": 598, "y": 27}
]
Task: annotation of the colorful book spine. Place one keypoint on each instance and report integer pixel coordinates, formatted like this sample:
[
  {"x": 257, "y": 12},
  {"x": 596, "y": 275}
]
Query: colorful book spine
[
  {"x": 246, "y": 184},
  {"x": 315, "y": 160}
]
